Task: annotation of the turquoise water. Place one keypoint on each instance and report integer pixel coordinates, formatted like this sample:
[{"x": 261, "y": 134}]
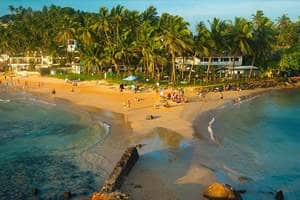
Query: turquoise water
[
  {"x": 258, "y": 146},
  {"x": 192, "y": 10},
  {"x": 43, "y": 145}
]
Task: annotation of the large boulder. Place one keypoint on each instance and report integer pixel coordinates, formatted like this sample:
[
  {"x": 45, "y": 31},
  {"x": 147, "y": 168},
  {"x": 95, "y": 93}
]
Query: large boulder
[
  {"x": 109, "y": 196},
  {"x": 220, "y": 191}
]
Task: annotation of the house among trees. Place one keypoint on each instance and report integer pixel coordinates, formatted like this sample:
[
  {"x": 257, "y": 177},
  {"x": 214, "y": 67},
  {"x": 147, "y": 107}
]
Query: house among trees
[
  {"x": 225, "y": 65},
  {"x": 30, "y": 62}
]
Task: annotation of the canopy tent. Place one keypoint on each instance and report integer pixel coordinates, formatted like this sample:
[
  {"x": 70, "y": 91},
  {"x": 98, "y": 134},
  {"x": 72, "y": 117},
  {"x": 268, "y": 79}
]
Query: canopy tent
[{"x": 130, "y": 78}]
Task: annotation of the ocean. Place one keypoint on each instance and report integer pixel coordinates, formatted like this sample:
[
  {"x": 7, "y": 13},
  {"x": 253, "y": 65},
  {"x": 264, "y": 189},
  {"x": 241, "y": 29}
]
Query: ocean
[
  {"x": 257, "y": 144},
  {"x": 49, "y": 146}
]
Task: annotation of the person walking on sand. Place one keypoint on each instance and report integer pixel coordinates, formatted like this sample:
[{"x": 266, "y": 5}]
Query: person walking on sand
[
  {"x": 128, "y": 103},
  {"x": 121, "y": 87},
  {"x": 53, "y": 92}
]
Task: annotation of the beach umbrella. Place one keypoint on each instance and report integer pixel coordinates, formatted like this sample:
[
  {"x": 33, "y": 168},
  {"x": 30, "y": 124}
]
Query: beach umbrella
[{"x": 130, "y": 78}]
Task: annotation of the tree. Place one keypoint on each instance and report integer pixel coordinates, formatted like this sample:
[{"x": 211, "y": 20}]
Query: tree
[
  {"x": 204, "y": 45},
  {"x": 175, "y": 37},
  {"x": 240, "y": 35},
  {"x": 263, "y": 39},
  {"x": 286, "y": 32}
]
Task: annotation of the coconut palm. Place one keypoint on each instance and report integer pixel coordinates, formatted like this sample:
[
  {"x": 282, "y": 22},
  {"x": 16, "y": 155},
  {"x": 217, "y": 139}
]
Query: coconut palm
[
  {"x": 263, "y": 38},
  {"x": 204, "y": 44},
  {"x": 175, "y": 37},
  {"x": 240, "y": 35}
]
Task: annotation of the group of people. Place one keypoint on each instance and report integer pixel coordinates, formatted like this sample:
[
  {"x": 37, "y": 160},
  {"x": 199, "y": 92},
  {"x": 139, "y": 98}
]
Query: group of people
[{"x": 177, "y": 96}]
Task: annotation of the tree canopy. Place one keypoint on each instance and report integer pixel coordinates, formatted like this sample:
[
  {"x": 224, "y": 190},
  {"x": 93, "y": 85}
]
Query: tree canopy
[{"x": 120, "y": 37}]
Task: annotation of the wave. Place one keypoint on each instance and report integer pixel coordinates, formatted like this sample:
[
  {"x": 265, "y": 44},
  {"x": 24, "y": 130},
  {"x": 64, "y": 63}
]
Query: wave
[
  {"x": 209, "y": 128},
  {"x": 41, "y": 102},
  {"x": 245, "y": 99},
  {"x": 5, "y": 100}
]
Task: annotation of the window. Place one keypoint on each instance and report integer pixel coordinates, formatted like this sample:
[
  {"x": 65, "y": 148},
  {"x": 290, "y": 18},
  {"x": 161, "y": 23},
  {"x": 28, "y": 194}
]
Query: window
[
  {"x": 215, "y": 59},
  {"x": 236, "y": 59},
  {"x": 205, "y": 59}
]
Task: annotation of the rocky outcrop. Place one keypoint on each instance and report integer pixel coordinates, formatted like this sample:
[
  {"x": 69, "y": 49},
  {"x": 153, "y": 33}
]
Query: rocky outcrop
[
  {"x": 122, "y": 169},
  {"x": 110, "y": 196},
  {"x": 279, "y": 195},
  {"x": 220, "y": 191}
]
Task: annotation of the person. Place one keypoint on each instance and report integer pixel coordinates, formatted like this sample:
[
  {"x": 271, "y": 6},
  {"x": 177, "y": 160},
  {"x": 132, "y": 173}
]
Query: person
[
  {"x": 221, "y": 97},
  {"x": 121, "y": 87},
  {"x": 53, "y": 91},
  {"x": 128, "y": 103},
  {"x": 161, "y": 93}
]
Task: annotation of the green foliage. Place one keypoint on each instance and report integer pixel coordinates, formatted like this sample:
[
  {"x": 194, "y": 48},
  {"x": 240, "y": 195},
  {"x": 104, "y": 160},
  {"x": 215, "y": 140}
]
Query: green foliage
[
  {"x": 290, "y": 62},
  {"x": 144, "y": 42}
]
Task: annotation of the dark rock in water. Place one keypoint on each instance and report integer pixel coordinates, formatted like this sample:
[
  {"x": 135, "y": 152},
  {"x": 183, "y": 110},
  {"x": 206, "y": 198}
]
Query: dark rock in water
[
  {"x": 67, "y": 195},
  {"x": 243, "y": 179},
  {"x": 35, "y": 191},
  {"x": 279, "y": 195}
]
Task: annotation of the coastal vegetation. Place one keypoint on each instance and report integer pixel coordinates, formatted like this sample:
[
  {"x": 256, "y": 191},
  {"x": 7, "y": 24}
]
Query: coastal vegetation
[{"x": 146, "y": 44}]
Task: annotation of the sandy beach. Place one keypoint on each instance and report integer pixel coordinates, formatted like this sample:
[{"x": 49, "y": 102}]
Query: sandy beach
[{"x": 168, "y": 168}]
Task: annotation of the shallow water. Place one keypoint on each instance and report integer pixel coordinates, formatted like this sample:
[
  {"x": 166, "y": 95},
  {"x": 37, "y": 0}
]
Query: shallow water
[
  {"x": 258, "y": 144},
  {"x": 47, "y": 146}
]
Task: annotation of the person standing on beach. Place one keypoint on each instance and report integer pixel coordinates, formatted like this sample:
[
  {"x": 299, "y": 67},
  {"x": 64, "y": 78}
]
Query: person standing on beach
[
  {"x": 128, "y": 103},
  {"x": 121, "y": 87}
]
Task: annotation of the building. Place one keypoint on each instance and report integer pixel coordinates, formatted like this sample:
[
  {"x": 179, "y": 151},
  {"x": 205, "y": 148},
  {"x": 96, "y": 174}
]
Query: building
[
  {"x": 224, "y": 66},
  {"x": 242, "y": 71},
  {"x": 21, "y": 63},
  {"x": 4, "y": 58},
  {"x": 71, "y": 45},
  {"x": 221, "y": 61}
]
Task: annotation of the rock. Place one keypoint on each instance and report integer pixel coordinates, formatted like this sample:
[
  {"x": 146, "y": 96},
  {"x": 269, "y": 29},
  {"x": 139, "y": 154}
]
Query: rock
[
  {"x": 149, "y": 117},
  {"x": 110, "y": 196},
  {"x": 67, "y": 195},
  {"x": 35, "y": 191},
  {"x": 279, "y": 195},
  {"x": 221, "y": 191},
  {"x": 122, "y": 169},
  {"x": 137, "y": 186},
  {"x": 101, "y": 196}
]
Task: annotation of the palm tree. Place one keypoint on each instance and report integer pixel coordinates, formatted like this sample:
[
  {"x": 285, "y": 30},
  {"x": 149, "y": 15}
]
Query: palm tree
[
  {"x": 204, "y": 44},
  {"x": 286, "y": 30},
  {"x": 263, "y": 38},
  {"x": 240, "y": 35},
  {"x": 175, "y": 37}
]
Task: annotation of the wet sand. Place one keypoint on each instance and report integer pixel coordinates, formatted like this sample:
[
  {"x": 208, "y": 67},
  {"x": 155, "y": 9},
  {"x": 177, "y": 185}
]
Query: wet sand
[{"x": 169, "y": 167}]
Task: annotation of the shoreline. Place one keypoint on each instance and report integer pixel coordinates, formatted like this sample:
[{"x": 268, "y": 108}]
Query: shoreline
[
  {"x": 170, "y": 136},
  {"x": 109, "y": 99}
]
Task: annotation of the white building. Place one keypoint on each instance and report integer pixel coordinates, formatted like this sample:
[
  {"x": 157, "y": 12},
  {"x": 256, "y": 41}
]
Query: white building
[
  {"x": 221, "y": 61},
  {"x": 4, "y": 58},
  {"x": 71, "y": 46},
  {"x": 20, "y": 63},
  {"x": 243, "y": 71}
]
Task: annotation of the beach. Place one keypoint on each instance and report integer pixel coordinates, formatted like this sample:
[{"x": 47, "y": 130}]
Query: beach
[{"x": 169, "y": 167}]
